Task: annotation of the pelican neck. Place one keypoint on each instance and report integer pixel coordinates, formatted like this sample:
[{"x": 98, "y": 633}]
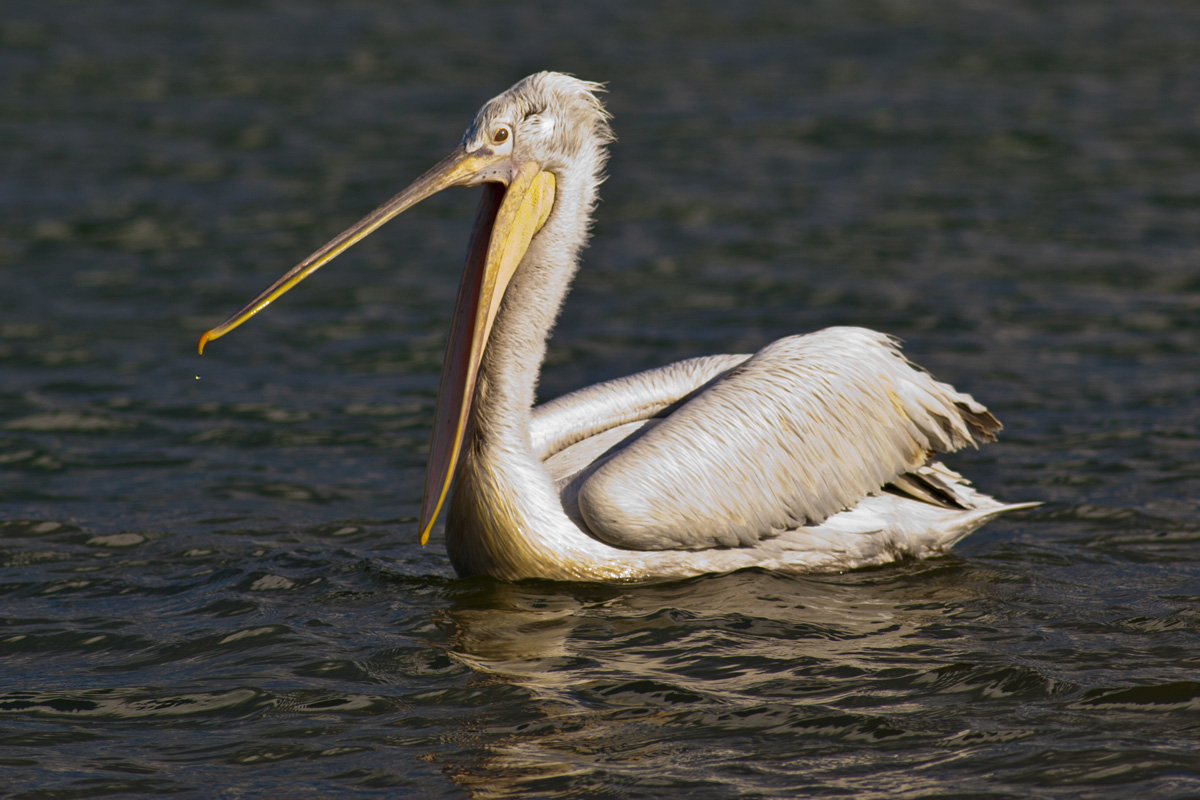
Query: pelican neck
[{"x": 515, "y": 353}]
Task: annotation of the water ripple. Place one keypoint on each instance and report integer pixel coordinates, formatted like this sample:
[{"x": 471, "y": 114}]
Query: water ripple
[{"x": 209, "y": 575}]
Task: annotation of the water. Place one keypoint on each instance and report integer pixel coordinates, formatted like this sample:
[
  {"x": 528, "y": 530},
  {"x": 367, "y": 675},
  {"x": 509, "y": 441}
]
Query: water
[{"x": 211, "y": 584}]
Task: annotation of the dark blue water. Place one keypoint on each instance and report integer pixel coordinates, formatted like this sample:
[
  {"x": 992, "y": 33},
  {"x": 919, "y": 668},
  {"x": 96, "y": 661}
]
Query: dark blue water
[{"x": 209, "y": 578}]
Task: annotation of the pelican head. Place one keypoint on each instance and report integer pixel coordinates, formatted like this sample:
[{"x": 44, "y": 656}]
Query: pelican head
[
  {"x": 520, "y": 147},
  {"x": 548, "y": 118}
]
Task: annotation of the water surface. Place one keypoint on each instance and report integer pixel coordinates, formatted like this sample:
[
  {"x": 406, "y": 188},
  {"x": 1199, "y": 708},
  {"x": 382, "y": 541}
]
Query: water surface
[{"x": 210, "y": 579}]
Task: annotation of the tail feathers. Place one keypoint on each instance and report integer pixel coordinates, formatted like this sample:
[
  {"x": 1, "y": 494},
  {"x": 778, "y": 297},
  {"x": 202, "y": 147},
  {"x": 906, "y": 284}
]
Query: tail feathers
[
  {"x": 950, "y": 522},
  {"x": 928, "y": 513}
]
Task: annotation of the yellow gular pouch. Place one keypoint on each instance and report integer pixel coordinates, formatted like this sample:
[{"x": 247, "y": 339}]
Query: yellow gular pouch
[
  {"x": 526, "y": 207},
  {"x": 522, "y": 212}
]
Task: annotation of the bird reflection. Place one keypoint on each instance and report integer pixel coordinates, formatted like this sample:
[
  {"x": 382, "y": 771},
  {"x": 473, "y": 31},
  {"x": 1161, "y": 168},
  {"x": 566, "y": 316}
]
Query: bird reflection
[{"x": 622, "y": 680}]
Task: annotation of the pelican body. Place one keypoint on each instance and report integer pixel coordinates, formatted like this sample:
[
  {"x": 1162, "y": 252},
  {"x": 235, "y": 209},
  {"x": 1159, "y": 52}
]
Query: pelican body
[{"x": 814, "y": 454}]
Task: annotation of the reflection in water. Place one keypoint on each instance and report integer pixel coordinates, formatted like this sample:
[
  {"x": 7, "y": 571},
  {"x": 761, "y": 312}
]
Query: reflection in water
[
  {"x": 525, "y": 632},
  {"x": 636, "y": 683},
  {"x": 212, "y": 586}
]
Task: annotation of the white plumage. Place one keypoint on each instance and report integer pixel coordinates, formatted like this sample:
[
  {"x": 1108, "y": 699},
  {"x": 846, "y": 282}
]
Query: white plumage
[{"x": 812, "y": 454}]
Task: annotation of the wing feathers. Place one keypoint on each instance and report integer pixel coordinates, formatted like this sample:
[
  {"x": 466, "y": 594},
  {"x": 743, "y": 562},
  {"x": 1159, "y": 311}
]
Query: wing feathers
[
  {"x": 574, "y": 417},
  {"x": 926, "y": 488},
  {"x": 806, "y": 428}
]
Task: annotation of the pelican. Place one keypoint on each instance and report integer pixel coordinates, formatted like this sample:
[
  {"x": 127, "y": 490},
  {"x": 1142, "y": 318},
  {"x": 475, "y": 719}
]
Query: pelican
[{"x": 813, "y": 454}]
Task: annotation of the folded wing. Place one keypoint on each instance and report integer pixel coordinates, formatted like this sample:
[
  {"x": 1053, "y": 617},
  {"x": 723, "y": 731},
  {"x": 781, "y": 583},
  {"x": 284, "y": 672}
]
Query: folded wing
[{"x": 805, "y": 428}]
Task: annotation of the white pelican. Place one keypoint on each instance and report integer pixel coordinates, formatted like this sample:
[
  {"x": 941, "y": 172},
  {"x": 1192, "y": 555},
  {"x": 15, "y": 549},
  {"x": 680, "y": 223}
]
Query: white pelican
[{"x": 814, "y": 454}]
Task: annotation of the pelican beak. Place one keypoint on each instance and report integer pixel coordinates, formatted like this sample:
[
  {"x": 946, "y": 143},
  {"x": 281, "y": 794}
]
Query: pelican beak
[
  {"x": 517, "y": 201},
  {"x": 457, "y": 169}
]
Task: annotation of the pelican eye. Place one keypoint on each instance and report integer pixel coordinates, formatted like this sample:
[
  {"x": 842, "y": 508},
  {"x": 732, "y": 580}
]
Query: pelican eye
[{"x": 500, "y": 136}]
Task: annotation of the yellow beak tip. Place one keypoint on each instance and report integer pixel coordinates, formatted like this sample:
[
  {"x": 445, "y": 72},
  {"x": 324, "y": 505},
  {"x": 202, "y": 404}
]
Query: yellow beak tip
[{"x": 205, "y": 339}]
